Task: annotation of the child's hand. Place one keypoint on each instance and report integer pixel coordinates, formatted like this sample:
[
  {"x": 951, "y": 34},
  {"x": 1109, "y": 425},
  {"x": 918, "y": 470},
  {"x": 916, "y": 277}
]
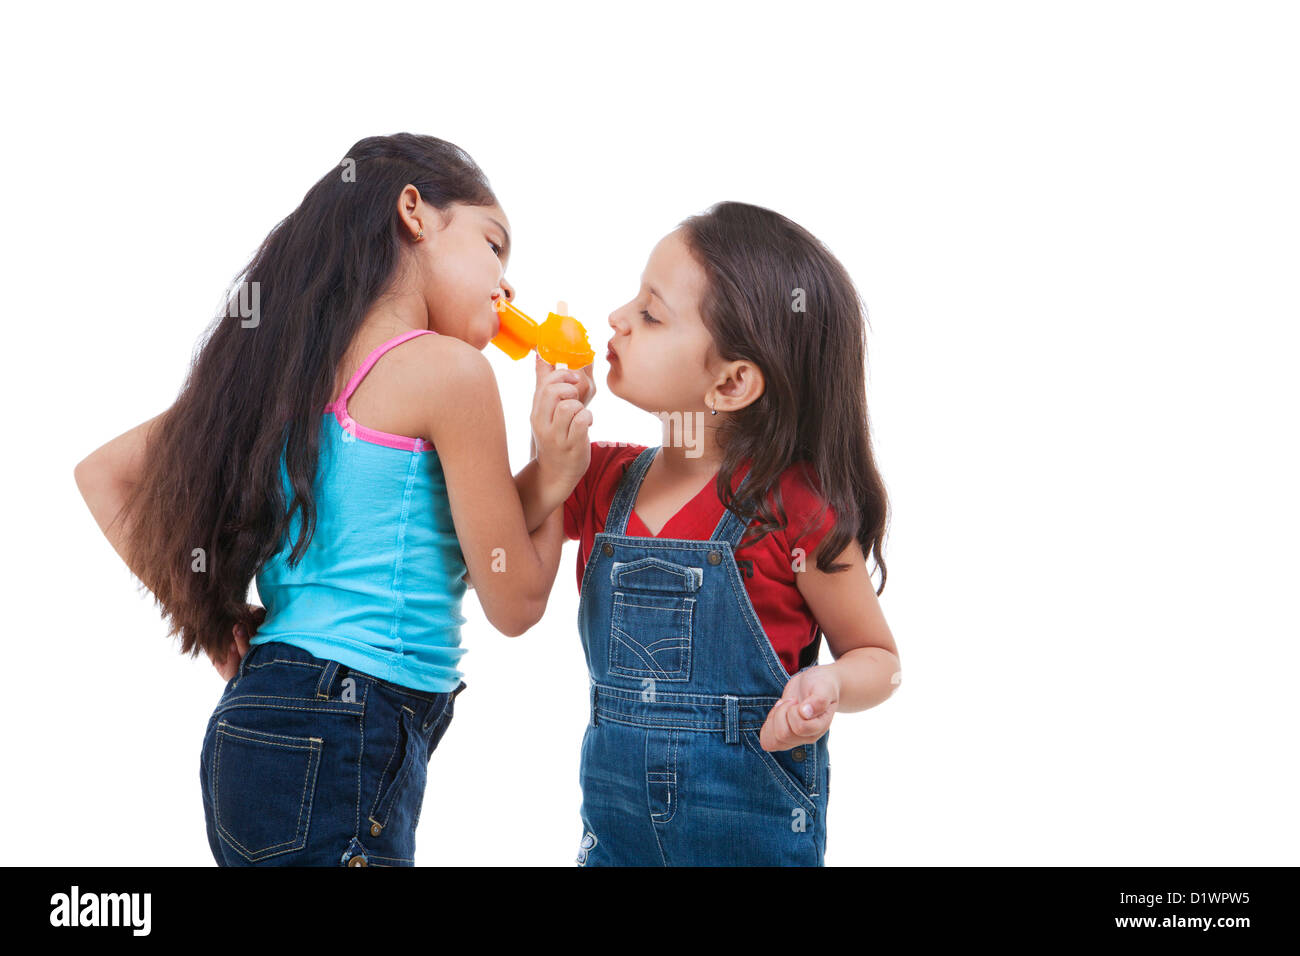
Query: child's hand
[
  {"x": 586, "y": 384},
  {"x": 560, "y": 421},
  {"x": 228, "y": 667},
  {"x": 804, "y": 711}
]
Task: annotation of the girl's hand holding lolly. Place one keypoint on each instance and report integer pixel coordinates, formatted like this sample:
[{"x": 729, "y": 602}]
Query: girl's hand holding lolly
[
  {"x": 560, "y": 420},
  {"x": 559, "y": 417}
]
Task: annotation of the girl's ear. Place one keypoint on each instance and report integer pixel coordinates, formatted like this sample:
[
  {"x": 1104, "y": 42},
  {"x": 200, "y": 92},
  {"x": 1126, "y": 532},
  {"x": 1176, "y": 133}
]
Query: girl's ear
[{"x": 740, "y": 384}]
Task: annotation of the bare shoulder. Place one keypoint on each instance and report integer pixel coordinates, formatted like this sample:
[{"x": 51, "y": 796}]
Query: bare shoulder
[
  {"x": 439, "y": 366},
  {"x": 449, "y": 381}
]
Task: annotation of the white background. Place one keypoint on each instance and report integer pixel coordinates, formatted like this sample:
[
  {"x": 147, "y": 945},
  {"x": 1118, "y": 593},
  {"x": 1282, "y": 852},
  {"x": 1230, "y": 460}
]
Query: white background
[{"x": 1075, "y": 229}]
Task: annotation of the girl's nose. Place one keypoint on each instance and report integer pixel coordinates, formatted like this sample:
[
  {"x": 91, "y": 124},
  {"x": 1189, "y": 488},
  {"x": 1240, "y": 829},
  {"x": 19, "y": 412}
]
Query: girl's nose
[
  {"x": 507, "y": 289},
  {"x": 616, "y": 321}
]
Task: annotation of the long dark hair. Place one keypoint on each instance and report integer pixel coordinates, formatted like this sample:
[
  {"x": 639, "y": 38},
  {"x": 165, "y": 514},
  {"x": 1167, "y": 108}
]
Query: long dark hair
[
  {"x": 778, "y": 298},
  {"x": 258, "y": 388}
]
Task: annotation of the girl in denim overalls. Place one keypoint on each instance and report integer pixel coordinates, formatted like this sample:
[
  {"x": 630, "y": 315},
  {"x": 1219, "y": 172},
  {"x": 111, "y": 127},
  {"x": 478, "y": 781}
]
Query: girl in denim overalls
[{"x": 701, "y": 748}]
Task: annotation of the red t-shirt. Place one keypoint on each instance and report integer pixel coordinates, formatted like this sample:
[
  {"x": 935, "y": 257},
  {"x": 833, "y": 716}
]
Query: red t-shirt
[{"x": 766, "y": 567}]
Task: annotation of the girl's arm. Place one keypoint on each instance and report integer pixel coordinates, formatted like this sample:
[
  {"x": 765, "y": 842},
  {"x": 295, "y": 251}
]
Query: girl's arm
[
  {"x": 866, "y": 669},
  {"x": 847, "y": 609},
  {"x": 512, "y": 566},
  {"x": 105, "y": 478}
]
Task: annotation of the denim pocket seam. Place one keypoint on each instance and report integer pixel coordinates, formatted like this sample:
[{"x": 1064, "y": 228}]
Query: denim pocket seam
[
  {"x": 386, "y": 796},
  {"x": 446, "y": 705},
  {"x": 620, "y": 638},
  {"x": 782, "y": 776},
  {"x": 290, "y": 703},
  {"x": 313, "y": 746}
]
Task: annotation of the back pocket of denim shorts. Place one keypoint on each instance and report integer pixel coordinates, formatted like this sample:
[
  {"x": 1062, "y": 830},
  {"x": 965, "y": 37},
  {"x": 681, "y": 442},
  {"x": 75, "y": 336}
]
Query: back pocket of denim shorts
[
  {"x": 262, "y": 789},
  {"x": 652, "y": 619}
]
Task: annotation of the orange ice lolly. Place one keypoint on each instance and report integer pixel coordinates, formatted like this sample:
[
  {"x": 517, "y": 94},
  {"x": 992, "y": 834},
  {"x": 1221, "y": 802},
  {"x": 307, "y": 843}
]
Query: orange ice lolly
[{"x": 560, "y": 340}]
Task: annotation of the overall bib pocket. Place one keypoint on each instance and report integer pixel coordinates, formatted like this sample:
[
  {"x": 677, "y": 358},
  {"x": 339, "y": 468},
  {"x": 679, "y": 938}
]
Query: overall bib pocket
[
  {"x": 652, "y": 619},
  {"x": 262, "y": 787}
]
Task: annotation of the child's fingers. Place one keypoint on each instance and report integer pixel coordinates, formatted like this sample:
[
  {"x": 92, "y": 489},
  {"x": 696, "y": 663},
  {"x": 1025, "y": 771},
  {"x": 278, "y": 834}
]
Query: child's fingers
[
  {"x": 813, "y": 705},
  {"x": 814, "y": 727},
  {"x": 579, "y": 425},
  {"x": 565, "y": 412},
  {"x": 551, "y": 389},
  {"x": 545, "y": 400},
  {"x": 775, "y": 733}
]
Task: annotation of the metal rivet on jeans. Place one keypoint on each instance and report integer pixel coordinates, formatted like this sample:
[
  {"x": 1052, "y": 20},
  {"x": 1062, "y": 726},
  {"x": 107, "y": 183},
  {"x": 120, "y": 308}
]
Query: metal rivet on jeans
[
  {"x": 357, "y": 861},
  {"x": 798, "y": 755},
  {"x": 375, "y": 829},
  {"x": 715, "y": 557},
  {"x": 608, "y": 549}
]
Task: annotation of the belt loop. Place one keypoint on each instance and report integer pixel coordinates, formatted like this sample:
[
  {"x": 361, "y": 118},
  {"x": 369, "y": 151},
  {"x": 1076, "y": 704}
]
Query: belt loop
[
  {"x": 243, "y": 663},
  {"x": 593, "y": 705},
  {"x": 462, "y": 686},
  {"x": 326, "y": 683},
  {"x": 732, "y": 714}
]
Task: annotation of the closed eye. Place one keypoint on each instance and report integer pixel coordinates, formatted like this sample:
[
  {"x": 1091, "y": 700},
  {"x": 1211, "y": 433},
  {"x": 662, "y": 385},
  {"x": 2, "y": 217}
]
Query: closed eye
[
  {"x": 495, "y": 248},
  {"x": 649, "y": 318}
]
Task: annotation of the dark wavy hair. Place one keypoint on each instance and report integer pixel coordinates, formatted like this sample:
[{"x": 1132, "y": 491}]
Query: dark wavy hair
[
  {"x": 777, "y": 297},
  {"x": 258, "y": 390}
]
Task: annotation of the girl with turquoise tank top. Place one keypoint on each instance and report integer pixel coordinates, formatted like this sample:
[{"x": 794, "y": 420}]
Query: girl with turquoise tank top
[
  {"x": 340, "y": 438},
  {"x": 704, "y": 746}
]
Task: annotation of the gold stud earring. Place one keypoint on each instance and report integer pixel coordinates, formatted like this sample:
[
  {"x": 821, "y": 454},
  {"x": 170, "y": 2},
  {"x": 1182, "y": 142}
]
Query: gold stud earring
[{"x": 421, "y": 235}]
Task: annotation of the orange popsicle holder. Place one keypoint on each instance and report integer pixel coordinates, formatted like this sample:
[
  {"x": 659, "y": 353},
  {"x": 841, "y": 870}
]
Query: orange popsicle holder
[{"x": 560, "y": 340}]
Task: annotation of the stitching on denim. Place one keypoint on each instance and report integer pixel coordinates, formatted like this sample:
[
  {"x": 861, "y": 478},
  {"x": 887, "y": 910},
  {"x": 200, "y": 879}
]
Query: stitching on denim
[
  {"x": 620, "y": 637},
  {"x": 361, "y": 753},
  {"x": 622, "y": 572},
  {"x": 766, "y": 702},
  {"x": 433, "y": 720},
  {"x": 660, "y": 607},
  {"x": 671, "y": 641},
  {"x": 337, "y": 707},
  {"x": 326, "y": 682},
  {"x": 766, "y": 652},
  {"x": 668, "y": 778},
  {"x": 779, "y": 773},
  {"x": 684, "y": 632},
  {"x": 379, "y": 792},
  {"x": 392, "y": 859},
  {"x": 283, "y": 660},
  {"x": 385, "y": 799},
  {"x": 313, "y": 749}
]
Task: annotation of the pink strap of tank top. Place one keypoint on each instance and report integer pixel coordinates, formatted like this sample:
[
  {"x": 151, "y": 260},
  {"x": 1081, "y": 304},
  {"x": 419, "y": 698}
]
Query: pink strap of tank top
[{"x": 341, "y": 403}]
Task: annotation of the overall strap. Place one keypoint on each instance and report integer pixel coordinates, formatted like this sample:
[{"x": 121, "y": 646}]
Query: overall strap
[
  {"x": 369, "y": 363},
  {"x": 621, "y": 508},
  {"x": 731, "y": 528}
]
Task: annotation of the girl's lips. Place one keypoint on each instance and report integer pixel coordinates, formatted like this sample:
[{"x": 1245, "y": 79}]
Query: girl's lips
[{"x": 611, "y": 355}]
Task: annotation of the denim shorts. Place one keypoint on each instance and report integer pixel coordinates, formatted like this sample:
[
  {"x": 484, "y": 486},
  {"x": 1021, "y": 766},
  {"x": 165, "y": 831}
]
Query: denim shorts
[{"x": 307, "y": 762}]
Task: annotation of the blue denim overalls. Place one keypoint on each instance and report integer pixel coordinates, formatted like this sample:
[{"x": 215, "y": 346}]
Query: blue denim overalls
[{"x": 682, "y": 679}]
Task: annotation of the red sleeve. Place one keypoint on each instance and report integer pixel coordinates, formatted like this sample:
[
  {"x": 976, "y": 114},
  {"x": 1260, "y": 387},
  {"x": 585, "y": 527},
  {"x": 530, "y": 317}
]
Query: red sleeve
[
  {"x": 596, "y": 487},
  {"x": 575, "y": 508},
  {"x": 808, "y": 522}
]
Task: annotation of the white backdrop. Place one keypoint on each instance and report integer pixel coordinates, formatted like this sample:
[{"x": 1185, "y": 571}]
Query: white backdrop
[{"x": 1074, "y": 226}]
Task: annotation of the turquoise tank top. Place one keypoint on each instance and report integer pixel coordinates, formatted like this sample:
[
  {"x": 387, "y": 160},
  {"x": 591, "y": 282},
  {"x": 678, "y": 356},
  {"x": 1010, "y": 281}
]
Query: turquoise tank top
[{"x": 380, "y": 584}]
